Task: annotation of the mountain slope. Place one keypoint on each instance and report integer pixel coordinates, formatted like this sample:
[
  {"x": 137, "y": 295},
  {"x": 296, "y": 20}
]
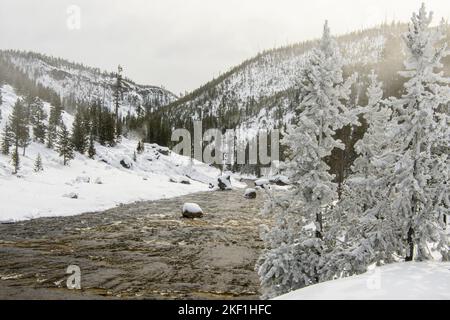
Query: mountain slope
[
  {"x": 262, "y": 91},
  {"x": 77, "y": 84}
]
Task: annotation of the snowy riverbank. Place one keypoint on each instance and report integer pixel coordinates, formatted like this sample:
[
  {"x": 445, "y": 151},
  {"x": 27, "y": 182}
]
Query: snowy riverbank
[
  {"x": 398, "y": 281},
  {"x": 113, "y": 177}
]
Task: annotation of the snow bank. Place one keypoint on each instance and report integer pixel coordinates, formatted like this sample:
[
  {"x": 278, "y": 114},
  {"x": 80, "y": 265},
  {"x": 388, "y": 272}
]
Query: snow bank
[
  {"x": 398, "y": 281},
  {"x": 100, "y": 183}
]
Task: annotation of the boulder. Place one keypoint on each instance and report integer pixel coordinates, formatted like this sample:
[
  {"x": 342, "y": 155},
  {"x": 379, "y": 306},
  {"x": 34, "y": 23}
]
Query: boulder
[
  {"x": 280, "y": 180},
  {"x": 224, "y": 182},
  {"x": 250, "y": 193},
  {"x": 192, "y": 210},
  {"x": 164, "y": 151},
  {"x": 185, "y": 181},
  {"x": 262, "y": 183},
  {"x": 125, "y": 163}
]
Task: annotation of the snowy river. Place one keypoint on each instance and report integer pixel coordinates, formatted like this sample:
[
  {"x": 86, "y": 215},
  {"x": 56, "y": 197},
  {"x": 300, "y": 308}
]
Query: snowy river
[{"x": 141, "y": 250}]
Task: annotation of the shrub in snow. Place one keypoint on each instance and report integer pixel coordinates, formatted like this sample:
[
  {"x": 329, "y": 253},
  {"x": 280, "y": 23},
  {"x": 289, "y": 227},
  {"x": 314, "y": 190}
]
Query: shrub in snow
[
  {"x": 185, "y": 181},
  {"x": 71, "y": 195},
  {"x": 192, "y": 210},
  {"x": 98, "y": 181},
  {"x": 224, "y": 182},
  {"x": 82, "y": 179},
  {"x": 250, "y": 193}
]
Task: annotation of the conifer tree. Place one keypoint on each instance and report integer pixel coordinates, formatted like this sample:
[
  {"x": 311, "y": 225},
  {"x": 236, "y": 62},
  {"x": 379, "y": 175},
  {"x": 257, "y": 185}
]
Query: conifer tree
[
  {"x": 79, "y": 133},
  {"x": 38, "y": 116},
  {"x": 1, "y": 101},
  {"x": 415, "y": 169},
  {"x": 91, "y": 150},
  {"x": 38, "y": 164},
  {"x": 6, "y": 140},
  {"x": 64, "y": 146},
  {"x": 118, "y": 96},
  {"x": 295, "y": 253},
  {"x": 54, "y": 122},
  {"x": 20, "y": 136},
  {"x": 15, "y": 160}
]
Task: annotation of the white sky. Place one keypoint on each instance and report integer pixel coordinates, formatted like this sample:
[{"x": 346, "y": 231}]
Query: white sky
[{"x": 182, "y": 44}]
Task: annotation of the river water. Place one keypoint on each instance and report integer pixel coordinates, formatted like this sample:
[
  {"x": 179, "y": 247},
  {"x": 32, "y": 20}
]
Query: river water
[{"x": 141, "y": 250}]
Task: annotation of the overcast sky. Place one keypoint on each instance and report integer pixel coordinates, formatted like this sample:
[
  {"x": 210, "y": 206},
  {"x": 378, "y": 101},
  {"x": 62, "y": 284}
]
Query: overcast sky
[{"x": 182, "y": 44}]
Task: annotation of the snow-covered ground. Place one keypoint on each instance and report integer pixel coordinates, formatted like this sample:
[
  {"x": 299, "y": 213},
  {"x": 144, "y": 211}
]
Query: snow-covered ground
[
  {"x": 398, "y": 281},
  {"x": 99, "y": 184}
]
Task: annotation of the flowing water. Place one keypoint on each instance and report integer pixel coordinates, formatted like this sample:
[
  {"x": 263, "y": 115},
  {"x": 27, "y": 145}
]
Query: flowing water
[{"x": 141, "y": 250}]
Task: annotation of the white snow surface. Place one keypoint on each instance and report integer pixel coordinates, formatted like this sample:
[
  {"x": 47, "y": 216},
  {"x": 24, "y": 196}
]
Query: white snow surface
[
  {"x": 398, "y": 281},
  {"x": 32, "y": 195},
  {"x": 192, "y": 208}
]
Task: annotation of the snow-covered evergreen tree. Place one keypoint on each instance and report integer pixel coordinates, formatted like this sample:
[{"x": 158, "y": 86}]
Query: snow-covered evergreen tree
[
  {"x": 91, "y": 149},
  {"x": 38, "y": 164},
  {"x": 297, "y": 244},
  {"x": 419, "y": 189},
  {"x": 64, "y": 146},
  {"x": 1, "y": 101},
  {"x": 19, "y": 131},
  {"x": 79, "y": 135},
  {"x": 369, "y": 233},
  {"x": 38, "y": 116},
  {"x": 15, "y": 160},
  {"x": 54, "y": 122},
  {"x": 6, "y": 139},
  {"x": 401, "y": 178}
]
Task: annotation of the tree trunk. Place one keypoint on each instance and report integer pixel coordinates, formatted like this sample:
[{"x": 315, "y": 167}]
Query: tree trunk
[
  {"x": 320, "y": 223},
  {"x": 410, "y": 253}
]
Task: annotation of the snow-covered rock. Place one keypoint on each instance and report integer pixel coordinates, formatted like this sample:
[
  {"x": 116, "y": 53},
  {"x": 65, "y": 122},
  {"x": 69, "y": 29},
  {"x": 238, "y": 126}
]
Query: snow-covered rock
[
  {"x": 250, "y": 193},
  {"x": 126, "y": 162},
  {"x": 280, "y": 180},
  {"x": 192, "y": 210},
  {"x": 398, "y": 281},
  {"x": 224, "y": 182},
  {"x": 262, "y": 182}
]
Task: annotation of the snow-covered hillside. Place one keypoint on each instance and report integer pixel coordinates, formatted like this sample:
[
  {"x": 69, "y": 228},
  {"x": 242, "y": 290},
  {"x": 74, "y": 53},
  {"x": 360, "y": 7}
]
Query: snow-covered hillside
[
  {"x": 266, "y": 81},
  {"x": 83, "y": 84},
  {"x": 399, "y": 281},
  {"x": 98, "y": 184}
]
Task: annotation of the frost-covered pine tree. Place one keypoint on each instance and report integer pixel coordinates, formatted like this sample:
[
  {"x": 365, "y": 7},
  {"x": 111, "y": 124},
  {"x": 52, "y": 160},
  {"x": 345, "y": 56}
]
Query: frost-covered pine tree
[
  {"x": 415, "y": 169},
  {"x": 296, "y": 245},
  {"x": 369, "y": 233},
  {"x": 38, "y": 167}
]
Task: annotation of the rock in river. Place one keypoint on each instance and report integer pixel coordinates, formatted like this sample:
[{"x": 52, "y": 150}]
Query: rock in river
[
  {"x": 192, "y": 210},
  {"x": 250, "y": 193}
]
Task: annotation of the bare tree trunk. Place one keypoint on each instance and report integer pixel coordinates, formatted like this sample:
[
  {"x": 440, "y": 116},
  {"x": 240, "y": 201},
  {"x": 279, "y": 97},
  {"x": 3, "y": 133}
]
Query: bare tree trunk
[{"x": 410, "y": 252}]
